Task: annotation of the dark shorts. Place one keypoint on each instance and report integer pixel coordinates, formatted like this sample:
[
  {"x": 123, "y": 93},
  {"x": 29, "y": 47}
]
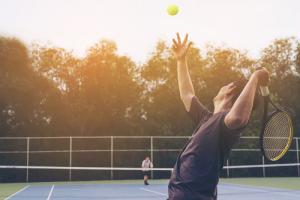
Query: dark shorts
[{"x": 147, "y": 173}]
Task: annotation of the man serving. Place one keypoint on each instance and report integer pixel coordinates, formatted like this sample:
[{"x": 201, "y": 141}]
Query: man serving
[{"x": 196, "y": 173}]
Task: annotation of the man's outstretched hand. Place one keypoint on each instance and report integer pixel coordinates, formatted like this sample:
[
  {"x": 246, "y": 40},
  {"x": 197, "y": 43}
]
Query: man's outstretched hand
[{"x": 180, "y": 48}]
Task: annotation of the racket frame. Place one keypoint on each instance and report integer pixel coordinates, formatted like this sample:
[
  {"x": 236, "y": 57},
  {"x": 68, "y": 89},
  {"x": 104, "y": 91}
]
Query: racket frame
[{"x": 266, "y": 118}]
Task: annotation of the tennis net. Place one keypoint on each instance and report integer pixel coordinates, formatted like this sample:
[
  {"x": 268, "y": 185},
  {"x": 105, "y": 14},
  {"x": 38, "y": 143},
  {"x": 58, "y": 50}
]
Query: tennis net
[
  {"x": 25, "y": 159},
  {"x": 65, "y": 173}
]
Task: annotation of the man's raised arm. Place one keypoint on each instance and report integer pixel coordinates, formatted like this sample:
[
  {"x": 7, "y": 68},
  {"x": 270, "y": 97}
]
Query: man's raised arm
[
  {"x": 186, "y": 88},
  {"x": 239, "y": 114}
]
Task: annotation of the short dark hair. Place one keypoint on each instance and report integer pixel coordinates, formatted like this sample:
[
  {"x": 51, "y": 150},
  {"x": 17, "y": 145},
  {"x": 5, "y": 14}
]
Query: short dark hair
[{"x": 240, "y": 84}]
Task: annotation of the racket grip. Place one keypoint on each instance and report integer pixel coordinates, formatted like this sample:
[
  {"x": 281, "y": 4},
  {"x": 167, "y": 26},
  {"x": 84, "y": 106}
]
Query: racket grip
[{"x": 264, "y": 91}]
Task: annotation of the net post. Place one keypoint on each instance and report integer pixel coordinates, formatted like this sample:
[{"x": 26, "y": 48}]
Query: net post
[
  {"x": 111, "y": 157},
  {"x": 297, "y": 154},
  {"x": 227, "y": 163},
  {"x": 151, "y": 152},
  {"x": 70, "y": 159},
  {"x": 264, "y": 170},
  {"x": 27, "y": 158}
]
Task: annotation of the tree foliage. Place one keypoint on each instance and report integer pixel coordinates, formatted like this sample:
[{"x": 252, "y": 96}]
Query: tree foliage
[{"x": 49, "y": 91}]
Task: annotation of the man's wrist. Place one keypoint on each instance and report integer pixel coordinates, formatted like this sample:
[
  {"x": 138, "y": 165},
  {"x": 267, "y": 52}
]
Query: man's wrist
[{"x": 181, "y": 60}]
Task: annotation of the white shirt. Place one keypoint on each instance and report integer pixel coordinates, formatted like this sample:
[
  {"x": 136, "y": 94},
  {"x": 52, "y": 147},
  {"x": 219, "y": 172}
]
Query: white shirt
[{"x": 146, "y": 165}]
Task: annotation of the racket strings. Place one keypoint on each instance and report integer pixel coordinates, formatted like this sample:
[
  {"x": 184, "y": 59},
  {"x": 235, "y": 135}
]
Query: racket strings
[{"x": 277, "y": 135}]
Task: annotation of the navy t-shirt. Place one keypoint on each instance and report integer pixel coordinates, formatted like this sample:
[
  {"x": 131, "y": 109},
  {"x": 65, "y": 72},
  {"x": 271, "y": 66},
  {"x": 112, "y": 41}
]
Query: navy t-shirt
[{"x": 196, "y": 173}]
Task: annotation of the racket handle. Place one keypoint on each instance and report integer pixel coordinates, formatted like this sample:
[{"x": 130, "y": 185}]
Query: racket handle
[{"x": 264, "y": 91}]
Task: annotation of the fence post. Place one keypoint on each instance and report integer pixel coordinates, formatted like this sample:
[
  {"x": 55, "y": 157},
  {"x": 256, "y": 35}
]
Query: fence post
[
  {"x": 263, "y": 162},
  {"x": 27, "y": 158},
  {"x": 297, "y": 154},
  {"x": 111, "y": 157},
  {"x": 227, "y": 163},
  {"x": 151, "y": 152},
  {"x": 70, "y": 159}
]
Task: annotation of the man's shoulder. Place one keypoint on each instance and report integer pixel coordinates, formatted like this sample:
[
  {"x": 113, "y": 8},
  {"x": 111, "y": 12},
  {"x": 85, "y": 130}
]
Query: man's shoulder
[{"x": 217, "y": 118}]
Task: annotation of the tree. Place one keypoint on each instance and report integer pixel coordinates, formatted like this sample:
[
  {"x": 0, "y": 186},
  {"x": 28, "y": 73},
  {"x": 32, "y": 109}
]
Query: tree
[
  {"x": 281, "y": 58},
  {"x": 22, "y": 91},
  {"x": 109, "y": 91},
  {"x": 222, "y": 66}
]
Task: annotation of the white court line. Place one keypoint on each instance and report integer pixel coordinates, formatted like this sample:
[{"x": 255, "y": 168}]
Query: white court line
[
  {"x": 159, "y": 193},
  {"x": 50, "y": 193},
  {"x": 24, "y": 188}
]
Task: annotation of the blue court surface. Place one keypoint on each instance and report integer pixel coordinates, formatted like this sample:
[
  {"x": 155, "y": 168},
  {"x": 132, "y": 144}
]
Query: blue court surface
[{"x": 156, "y": 191}]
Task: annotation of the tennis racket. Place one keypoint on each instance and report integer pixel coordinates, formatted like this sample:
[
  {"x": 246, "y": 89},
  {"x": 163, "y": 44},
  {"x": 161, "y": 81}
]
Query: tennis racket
[{"x": 277, "y": 129}]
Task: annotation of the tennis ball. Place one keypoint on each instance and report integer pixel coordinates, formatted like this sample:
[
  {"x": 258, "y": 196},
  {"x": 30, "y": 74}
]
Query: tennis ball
[{"x": 172, "y": 10}]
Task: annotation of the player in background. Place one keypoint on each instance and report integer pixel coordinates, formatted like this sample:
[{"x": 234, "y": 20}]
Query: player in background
[{"x": 146, "y": 165}]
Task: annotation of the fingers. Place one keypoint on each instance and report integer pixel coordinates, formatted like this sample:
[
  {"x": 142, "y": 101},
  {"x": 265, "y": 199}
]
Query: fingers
[
  {"x": 231, "y": 90},
  {"x": 179, "y": 43},
  {"x": 173, "y": 48},
  {"x": 178, "y": 38},
  {"x": 230, "y": 85},
  {"x": 178, "y": 48},
  {"x": 185, "y": 39},
  {"x": 189, "y": 45},
  {"x": 263, "y": 76},
  {"x": 175, "y": 44}
]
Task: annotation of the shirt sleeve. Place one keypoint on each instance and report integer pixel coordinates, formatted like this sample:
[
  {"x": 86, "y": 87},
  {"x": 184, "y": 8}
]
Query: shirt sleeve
[
  {"x": 230, "y": 131},
  {"x": 229, "y": 136},
  {"x": 198, "y": 112}
]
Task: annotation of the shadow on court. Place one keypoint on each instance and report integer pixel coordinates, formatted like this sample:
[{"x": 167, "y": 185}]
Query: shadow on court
[{"x": 141, "y": 192}]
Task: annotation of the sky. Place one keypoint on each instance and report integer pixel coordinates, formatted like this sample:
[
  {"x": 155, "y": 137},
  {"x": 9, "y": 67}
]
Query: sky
[{"x": 137, "y": 25}]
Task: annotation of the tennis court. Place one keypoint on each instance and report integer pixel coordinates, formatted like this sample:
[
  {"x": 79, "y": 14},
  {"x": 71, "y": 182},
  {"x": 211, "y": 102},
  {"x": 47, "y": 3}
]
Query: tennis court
[
  {"x": 67, "y": 178},
  {"x": 229, "y": 189}
]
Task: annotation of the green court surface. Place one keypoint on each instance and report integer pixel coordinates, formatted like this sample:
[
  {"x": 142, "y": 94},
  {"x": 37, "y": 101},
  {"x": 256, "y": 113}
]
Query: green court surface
[{"x": 7, "y": 189}]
